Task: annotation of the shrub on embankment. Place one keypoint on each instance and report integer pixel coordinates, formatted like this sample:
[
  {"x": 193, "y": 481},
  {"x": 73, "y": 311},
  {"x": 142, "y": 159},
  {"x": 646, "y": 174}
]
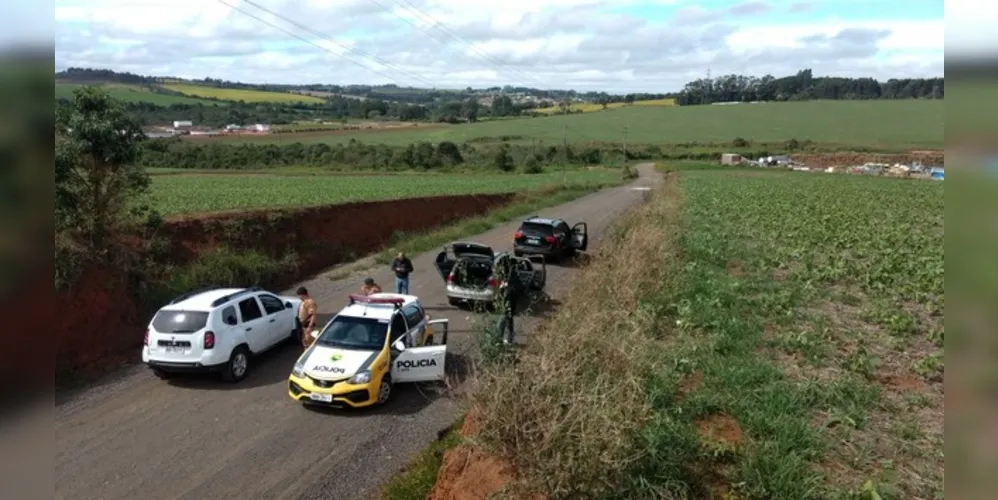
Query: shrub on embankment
[{"x": 568, "y": 415}]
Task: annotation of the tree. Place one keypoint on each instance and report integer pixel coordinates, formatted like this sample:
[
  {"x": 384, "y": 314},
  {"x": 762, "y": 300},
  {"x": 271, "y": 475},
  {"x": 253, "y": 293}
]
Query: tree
[
  {"x": 96, "y": 183},
  {"x": 503, "y": 161}
]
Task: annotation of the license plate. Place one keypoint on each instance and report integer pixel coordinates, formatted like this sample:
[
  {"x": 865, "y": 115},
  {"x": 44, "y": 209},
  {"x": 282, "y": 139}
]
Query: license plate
[
  {"x": 177, "y": 350},
  {"x": 533, "y": 241},
  {"x": 325, "y": 398}
]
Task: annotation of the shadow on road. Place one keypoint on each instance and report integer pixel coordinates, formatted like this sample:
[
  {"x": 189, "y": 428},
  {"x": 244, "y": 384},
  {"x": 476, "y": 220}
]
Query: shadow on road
[
  {"x": 577, "y": 261},
  {"x": 268, "y": 368},
  {"x": 409, "y": 399}
]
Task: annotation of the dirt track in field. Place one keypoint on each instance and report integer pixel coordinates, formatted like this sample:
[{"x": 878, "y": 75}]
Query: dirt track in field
[{"x": 136, "y": 436}]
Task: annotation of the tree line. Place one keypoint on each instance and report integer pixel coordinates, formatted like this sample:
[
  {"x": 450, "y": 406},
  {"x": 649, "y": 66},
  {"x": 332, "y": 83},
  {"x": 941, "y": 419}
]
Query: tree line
[
  {"x": 804, "y": 86},
  {"x": 503, "y": 155}
]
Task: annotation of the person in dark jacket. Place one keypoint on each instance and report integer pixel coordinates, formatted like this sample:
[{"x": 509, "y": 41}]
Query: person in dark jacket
[
  {"x": 510, "y": 289},
  {"x": 402, "y": 266}
]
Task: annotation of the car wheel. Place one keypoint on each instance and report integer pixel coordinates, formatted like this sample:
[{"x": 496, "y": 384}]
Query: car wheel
[
  {"x": 385, "y": 389},
  {"x": 453, "y": 302},
  {"x": 517, "y": 253},
  {"x": 160, "y": 374},
  {"x": 238, "y": 366}
]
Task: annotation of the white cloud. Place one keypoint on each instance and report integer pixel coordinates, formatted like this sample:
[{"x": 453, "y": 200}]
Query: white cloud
[{"x": 587, "y": 44}]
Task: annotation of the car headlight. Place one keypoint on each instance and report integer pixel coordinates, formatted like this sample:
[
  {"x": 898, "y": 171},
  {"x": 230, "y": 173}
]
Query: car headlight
[
  {"x": 298, "y": 371},
  {"x": 360, "y": 378}
]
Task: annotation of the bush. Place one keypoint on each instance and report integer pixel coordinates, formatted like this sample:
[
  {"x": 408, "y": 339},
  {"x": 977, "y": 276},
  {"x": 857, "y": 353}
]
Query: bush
[
  {"x": 227, "y": 267},
  {"x": 739, "y": 143},
  {"x": 532, "y": 166}
]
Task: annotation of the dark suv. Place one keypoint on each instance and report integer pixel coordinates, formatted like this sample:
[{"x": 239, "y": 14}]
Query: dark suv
[{"x": 552, "y": 238}]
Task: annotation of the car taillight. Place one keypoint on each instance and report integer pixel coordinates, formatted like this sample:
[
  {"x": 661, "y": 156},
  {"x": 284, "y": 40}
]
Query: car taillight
[
  {"x": 493, "y": 283},
  {"x": 209, "y": 340},
  {"x": 550, "y": 239},
  {"x": 517, "y": 235},
  {"x": 145, "y": 341},
  {"x": 450, "y": 278}
]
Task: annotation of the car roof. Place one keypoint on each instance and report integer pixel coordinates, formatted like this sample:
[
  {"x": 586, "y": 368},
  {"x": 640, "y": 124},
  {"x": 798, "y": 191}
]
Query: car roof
[
  {"x": 201, "y": 301},
  {"x": 542, "y": 220},
  {"x": 377, "y": 311}
]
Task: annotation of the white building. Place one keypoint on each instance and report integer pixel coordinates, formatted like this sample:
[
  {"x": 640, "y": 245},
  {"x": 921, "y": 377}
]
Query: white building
[
  {"x": 183, "y": 124},
  {"x": 261, "y": 128}
]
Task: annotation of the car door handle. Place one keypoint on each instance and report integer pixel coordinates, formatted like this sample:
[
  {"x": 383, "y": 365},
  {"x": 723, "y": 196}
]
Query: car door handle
[
  {"x": 248, "y": 329},
  {"x": 273, "y": 320}
]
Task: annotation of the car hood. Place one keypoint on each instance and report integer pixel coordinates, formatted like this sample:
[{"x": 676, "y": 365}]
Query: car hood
[{"x": 331, "y": 363}]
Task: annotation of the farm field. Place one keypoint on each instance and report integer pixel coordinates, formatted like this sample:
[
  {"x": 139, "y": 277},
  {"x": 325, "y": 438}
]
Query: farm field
[
  {"x": 891, "y": 125},
  {"x": 240, "y": 94},
  {"x": 590, "y": 107},
  {"x": 811, "y": 330},
  {"x": 197, "y": 193},
  {"x": 134, "y": 93}
]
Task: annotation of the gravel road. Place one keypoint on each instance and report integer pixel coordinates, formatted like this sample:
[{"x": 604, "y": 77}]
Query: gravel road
[{"x": 135, "y": 436}]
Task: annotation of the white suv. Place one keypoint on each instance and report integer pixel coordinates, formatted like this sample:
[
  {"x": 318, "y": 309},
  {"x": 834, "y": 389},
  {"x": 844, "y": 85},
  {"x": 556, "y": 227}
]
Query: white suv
[{"x": 218, "y": 330}]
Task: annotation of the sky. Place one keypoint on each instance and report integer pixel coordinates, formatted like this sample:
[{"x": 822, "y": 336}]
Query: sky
[{"x": 605, "y": 45}]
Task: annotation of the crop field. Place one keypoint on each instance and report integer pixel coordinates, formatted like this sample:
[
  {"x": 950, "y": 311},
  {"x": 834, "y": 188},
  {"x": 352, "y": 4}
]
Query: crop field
[
  {"x": 197, "y": 193},
  {"x": 589, "y": 107},
  {"x": 809, "y": 343},
  {"x": 240, "y": 94},
  {"x": 132, "y": 93},
  {"x": 888, "y": 125}
]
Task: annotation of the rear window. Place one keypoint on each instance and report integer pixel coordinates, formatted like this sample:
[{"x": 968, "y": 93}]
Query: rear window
[
  {"x": 532, "y": 229},
  {"x": 179, "y": 321}
]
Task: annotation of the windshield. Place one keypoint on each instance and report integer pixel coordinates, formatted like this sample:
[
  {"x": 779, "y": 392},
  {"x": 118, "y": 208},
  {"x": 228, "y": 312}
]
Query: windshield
[
  {"x": 179, "y": 321},
  {"x": 354, "y": 333},
  {"x": 532, "y": 229}
]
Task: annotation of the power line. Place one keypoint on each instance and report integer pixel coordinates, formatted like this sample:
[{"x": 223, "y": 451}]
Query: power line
[
  {"x": 326, "y": 49},
  {"x": 437, "y": 24}
]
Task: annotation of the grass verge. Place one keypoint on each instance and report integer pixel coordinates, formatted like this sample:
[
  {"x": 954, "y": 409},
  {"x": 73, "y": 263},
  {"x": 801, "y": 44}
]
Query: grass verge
[
  {"x": 577, "y": 431},
  {"x": 419, "y": 476},
  {"x": 415, "y": 243}
]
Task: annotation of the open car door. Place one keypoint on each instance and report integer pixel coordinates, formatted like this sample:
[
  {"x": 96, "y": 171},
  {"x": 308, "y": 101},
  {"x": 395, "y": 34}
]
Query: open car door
[
  {"x": 533, "y": 271},
  {"x": 425, "y": 363},
  {"x": 445, "y": 264},
  {"x": 580, "y": 236}
]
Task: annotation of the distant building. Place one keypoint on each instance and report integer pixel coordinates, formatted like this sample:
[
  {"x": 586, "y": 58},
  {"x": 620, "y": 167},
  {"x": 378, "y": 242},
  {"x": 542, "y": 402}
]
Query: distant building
[
  {"x": 936, "y": 173},
  {"x": 731, "y": 159},
  {"x": 183, "y": 124},
  {"x": 259, "y": 127}
]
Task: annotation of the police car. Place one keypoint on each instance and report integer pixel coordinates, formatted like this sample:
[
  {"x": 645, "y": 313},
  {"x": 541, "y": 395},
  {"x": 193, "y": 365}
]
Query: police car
[{"x": 375, "y": 342}]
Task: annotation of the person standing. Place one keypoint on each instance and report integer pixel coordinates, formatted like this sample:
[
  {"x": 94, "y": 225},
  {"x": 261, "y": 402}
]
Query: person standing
[
  {"x": 370, "y": 287},
  {"x": 306, "y": 316},
  {"x": 402, "y": 267},
  {"x": 509, "y": 295}
]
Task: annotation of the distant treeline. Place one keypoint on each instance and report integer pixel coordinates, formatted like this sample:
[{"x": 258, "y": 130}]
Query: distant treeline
[
  {"x": 389, "y": 92},
  {"x": 502, "y": 153},
  {"x": 803, "y": 86}
]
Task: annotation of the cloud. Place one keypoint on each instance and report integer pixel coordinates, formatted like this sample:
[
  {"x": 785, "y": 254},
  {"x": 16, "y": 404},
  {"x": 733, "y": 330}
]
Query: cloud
[{"x": 612, "y": 45}]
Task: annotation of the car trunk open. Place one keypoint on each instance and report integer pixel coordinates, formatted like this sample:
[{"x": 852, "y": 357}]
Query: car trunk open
[{"x": 472, "y": 272}]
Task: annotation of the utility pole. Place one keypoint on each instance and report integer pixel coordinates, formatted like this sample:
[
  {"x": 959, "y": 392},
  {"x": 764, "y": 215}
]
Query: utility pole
[
  {"x": 625, "y": 145},
  {"x": 564, "y": 145}
]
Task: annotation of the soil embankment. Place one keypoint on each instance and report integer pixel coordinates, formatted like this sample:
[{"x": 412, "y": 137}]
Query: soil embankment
[{"x": 100, "y": 318}]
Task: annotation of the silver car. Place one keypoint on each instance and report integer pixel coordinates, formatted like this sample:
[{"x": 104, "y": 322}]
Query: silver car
[{"x": 468, "y": 268}]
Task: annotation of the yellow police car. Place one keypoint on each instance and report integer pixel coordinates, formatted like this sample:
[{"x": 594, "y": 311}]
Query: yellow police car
[{"x": 375, "y": 342}]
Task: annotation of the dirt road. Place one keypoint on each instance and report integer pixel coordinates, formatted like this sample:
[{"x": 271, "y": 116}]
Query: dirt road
[{"x": 197, "y": 438}]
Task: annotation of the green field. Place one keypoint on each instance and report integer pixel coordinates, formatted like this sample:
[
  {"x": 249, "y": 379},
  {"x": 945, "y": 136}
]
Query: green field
[
  {"x": 782, "y": 338},
  {"x": 133, "y": 93},
  {"x": 875, "y": 124},
  {"x": 240, "y": 94},
  {"x": 811, "y": 315},
  {"x": 196, "y": 193}
]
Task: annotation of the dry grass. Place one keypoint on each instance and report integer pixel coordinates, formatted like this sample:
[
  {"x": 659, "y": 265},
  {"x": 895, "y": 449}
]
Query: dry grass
[{"x": 568, "y": 414}]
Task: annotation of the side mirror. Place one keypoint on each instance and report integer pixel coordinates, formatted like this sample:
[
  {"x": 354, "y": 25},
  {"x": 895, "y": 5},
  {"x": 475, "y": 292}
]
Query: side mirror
[
  {"x": 398, "y": 346},
  {"x": 287, "y": 305}
]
